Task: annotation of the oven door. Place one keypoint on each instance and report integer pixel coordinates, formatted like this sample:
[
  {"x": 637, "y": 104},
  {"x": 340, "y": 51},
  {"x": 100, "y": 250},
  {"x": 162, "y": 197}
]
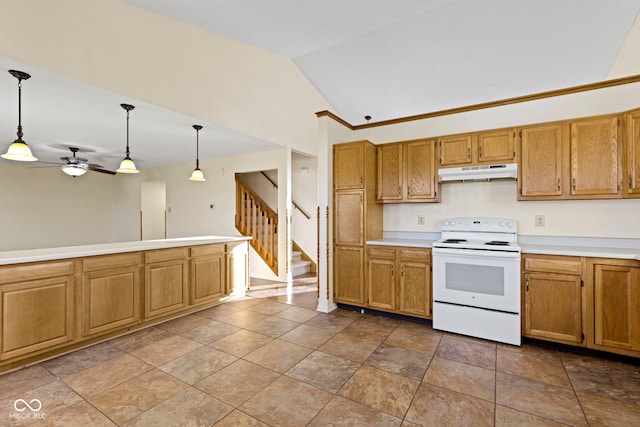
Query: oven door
[{"x": 477, "y": 278}]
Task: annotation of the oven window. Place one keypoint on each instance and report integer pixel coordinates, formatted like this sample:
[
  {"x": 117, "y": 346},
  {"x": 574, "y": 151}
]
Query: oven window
[{"x": 479, "y": 279}]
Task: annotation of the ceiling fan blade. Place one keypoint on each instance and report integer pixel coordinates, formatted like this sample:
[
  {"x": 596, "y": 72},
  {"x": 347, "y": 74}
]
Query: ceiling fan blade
[{"x": 97, "y": 169}]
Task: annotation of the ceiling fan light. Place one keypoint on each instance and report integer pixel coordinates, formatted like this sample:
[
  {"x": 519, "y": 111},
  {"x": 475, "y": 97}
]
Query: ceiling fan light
[
  {"x": 75, "y": 169},
  {"x": 197, "y": 175},
  {"x": 127, "y": 166},
  {"x": 20, "y": 152}
]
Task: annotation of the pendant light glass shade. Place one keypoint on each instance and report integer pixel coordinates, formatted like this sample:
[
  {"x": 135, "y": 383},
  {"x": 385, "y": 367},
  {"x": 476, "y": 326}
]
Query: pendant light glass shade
[
  {"x": 197, "y": 174},
  {"x": 76, "y": 169},
  {"x": 19, "y": 150},
  {"x": 127, "y": 165}
]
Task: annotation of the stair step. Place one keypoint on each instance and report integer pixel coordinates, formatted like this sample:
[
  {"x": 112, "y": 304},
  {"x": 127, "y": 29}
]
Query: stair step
[{"x": 301, "y": 267}]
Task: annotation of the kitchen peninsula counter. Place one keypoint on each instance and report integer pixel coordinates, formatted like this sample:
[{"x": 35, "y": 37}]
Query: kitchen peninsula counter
[
  {"x": 56, "y": 300},
  {"x": 47, "y": 254}
]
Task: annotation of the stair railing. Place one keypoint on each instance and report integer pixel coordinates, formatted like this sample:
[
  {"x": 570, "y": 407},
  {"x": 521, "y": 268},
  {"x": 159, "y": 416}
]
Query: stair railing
[{"x": 256, "y": 219}]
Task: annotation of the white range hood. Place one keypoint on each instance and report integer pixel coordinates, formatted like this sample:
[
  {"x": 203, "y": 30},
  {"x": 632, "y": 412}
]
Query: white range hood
[{"x": 479, "y": 173}]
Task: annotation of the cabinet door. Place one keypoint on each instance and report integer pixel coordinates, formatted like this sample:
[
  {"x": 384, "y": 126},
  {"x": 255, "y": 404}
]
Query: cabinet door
[
  {"x": 207, "y": 278},
  {"x": 381, "y": 280},
  {"x": 390, "y": 172},
  {"x": 617, "y": 307},
  {"x": 594, "y": 157},
  {"x": 497, "y": 146},
  {"x": 36, "y": 315},
  {"x": 166, "y": 287},
  {"x": 415, "y": 288},
  {"x": 349, "y": 218},
  {"x": 632, "y": 166},
  {"x": 540, "y": 168},
  {"x": 421, "y": 171},
  {"x": 553, "y": 307},
  {"x": 348, "y": 166},
  {"x": 111, "y": 299},
  {"x": 348, "y": 274},
  {"x": 456, "y": 150}
]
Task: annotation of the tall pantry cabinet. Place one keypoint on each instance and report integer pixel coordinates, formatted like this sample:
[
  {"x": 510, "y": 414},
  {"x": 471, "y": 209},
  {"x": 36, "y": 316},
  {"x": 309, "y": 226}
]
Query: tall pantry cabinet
[{"x": 356, "y": 217}]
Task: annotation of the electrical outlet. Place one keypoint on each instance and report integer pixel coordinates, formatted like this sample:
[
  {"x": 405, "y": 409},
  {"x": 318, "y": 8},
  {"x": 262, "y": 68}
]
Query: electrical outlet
[
  {"x": 539, "y": 220},
  {"x": 420, "y": 219}
]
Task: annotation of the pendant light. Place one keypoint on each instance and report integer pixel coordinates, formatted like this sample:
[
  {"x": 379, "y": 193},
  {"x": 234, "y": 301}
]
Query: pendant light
[
  {"x": 197, "y": 174},
  {"x": 127, "y": 165},
  {"x": 19, "y": 150}
]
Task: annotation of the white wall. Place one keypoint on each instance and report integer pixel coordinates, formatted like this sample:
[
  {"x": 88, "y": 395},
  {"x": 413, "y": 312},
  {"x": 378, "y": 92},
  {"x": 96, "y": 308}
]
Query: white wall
[
  {"x": 153, "y": 202},
  {"x": 125, "y": 49},
  {"x": 43, "y": 207},
  {"x": 189, "y": 211},
  {"x": 304, "y": 191}
]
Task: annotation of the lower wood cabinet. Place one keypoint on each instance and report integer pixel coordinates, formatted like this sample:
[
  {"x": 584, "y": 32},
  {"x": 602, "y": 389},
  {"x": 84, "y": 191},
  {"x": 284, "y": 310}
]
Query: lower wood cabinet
[
  {"x": 399, "y": 280},
  {"x": 348, "y": 275},
  {"x": 166, "y": 283},
  {"x": 110, "y": 292},
  {"x": 615, "y": 304},
  {"x": 553, "y": 298},
  {"x": 207, "y": 271},
  {"x": 52, "y": 306},
  {"x": 36, "y": 315}
]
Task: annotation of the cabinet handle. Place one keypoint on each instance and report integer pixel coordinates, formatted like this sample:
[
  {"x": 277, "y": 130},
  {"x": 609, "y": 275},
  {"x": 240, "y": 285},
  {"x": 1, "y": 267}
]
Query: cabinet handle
[
  {"x": 558, "y": 184},
  {"x": 468, "y": 153},
  {"x": 480, "y": 152},
  {"x": 574, "y": 184},
  {"x": 393, "y": 271},
  {"x": 360, "y": 180},
  {"x": 630, "y": 182}
]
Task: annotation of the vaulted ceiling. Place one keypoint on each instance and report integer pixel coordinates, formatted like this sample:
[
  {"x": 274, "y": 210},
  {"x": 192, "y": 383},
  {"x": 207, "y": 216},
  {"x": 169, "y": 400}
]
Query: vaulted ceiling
[
  {"x": 382, "y": 58},
  {"x": 396, "y": 58}
]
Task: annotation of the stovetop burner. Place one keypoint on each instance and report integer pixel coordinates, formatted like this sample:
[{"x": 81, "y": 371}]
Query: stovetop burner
[
  {"x": 454, "y": 241},
  {"x": 497, "y": 243}
]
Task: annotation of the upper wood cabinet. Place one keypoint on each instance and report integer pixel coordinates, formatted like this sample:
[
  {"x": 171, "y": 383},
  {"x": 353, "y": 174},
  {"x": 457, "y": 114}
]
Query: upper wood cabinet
[
  {"x": 495, "y": 146},
  {"x": 407, "y": 172},
  {"x": 577, "y": 159},
  {"x": 540, "y": 170},
  {"x": 595, "y": 160},
  {"x": 631, "y": 154},
  {"x": 349, "y": 166}
]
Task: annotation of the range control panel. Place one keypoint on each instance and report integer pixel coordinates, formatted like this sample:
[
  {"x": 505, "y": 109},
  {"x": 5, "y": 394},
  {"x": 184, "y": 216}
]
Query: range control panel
[{"x": 480, "y": 224}]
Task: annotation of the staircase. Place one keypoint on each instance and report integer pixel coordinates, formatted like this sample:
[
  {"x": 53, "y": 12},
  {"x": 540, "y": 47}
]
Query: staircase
[
  {"x": 299, "y": 266},
  {"x": 256, "y": 219}
]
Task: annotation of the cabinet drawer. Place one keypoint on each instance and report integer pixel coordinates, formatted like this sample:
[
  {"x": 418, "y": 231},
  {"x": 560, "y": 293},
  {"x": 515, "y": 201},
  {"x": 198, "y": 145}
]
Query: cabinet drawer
[
  {"x": 106, "y": 262},
  {"x": 165, "y": 254},
  {"x": 415, "y": 255},
  {"x": 19, "y": 272},
  {"x": 382, "y": 253},
  {"x": 566, "y": 265},
  {"x": 207, "y": 249}
]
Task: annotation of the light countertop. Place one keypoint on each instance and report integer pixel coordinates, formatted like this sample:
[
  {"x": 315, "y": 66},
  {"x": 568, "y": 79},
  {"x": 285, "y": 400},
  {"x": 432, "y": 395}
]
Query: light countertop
[
  {"x": 46, "y": 254},
  {"x": 594, "y": 247}
]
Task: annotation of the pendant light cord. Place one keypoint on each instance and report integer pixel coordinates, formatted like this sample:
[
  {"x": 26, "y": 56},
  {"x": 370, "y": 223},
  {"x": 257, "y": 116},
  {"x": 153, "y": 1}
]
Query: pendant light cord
[
  {"x": 127, "y": 134},
  {"x": 19, "y": 109},
  {"x": 197, "y": 148}
]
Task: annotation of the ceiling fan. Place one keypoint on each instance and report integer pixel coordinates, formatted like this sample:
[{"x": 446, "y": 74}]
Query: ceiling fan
[{"x": 77, "y": 166}]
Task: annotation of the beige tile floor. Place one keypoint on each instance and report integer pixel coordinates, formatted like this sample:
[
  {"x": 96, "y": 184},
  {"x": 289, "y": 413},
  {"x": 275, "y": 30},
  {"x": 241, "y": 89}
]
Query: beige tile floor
[{"x": 272, "y": 360}]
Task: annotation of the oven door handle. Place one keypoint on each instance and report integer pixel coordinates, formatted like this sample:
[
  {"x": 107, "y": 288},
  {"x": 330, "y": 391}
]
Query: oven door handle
[{"x": 475, "y": 253}]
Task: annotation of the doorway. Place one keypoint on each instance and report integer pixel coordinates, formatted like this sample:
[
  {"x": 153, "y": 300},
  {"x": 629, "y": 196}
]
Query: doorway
[{"x": 153, "y": 210}]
